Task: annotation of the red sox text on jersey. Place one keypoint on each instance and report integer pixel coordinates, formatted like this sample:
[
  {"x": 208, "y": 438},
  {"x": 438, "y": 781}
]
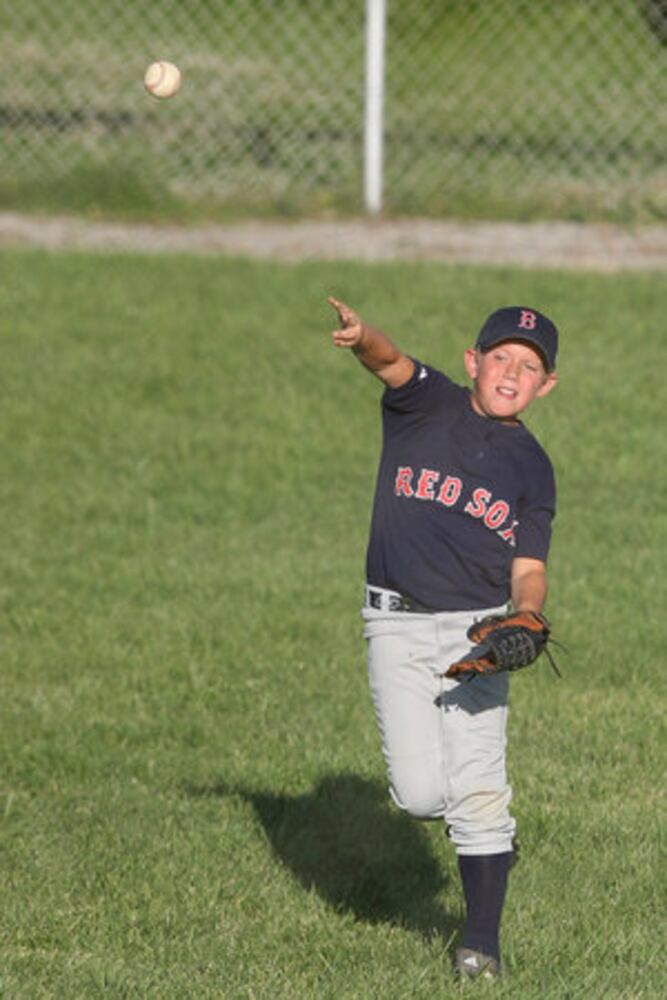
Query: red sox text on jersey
[{"x": 429, "y": 485}]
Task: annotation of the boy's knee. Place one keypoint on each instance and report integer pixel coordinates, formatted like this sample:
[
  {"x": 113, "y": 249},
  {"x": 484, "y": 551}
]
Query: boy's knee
[{"x": 418, "y": 796}]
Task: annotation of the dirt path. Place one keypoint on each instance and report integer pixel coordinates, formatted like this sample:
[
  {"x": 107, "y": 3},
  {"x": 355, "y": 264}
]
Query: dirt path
[{"x": 559, "y": 244}]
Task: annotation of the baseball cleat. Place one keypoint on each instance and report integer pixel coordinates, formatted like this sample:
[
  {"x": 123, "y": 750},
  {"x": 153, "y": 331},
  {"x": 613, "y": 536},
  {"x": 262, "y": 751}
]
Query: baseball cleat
[{"x": 469, "y": 964}]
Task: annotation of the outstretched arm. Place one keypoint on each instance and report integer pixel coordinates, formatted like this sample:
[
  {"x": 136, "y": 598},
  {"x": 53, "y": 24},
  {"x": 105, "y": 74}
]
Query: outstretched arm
[{"x": 373, "y": 348}]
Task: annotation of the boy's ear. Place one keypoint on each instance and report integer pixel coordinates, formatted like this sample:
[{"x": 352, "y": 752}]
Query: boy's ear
[
  {"x": 549, "y": 383},
  {"x": 471, "y": 362}
]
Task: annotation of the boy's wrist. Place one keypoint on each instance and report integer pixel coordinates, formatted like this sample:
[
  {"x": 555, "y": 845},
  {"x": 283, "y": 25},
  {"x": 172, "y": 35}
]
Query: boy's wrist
[{"x": 359, "y": 346}]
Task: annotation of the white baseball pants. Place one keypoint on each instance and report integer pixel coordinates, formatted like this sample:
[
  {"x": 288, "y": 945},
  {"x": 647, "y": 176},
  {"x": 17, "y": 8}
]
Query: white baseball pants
[{"x": 443, "y": 740}]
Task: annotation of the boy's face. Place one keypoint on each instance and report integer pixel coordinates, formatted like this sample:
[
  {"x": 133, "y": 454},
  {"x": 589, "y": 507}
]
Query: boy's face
[{"x": 506, "y": 379}]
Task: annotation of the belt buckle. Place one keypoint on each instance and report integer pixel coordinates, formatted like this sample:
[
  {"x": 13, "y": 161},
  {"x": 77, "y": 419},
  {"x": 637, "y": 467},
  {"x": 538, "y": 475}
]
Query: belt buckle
[{"x": 375, "y": 599}]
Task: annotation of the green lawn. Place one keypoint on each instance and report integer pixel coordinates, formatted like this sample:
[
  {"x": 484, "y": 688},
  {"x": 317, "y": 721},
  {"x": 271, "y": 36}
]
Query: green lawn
[{"x": 192, "y": 796}]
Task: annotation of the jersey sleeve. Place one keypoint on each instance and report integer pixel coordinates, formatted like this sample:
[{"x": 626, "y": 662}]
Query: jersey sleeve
[
  {"x": 426, "y": 391},
  {"x": 536, "y": 512}
]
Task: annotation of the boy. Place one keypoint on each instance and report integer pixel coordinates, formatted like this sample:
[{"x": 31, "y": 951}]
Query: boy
[{"x": 461, "y": 525}]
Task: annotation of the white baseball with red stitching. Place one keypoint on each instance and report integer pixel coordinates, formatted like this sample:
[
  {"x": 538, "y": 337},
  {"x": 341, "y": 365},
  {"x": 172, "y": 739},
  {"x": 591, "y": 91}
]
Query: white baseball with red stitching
[{"x": 162, "y": 79}]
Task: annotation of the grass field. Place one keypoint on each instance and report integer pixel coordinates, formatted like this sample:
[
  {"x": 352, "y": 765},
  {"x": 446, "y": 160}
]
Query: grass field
[{"x": 192, "y": 796}]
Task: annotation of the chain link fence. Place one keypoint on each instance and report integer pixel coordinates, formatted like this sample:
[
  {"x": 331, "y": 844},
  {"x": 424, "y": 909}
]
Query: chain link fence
[{"x": 514, "y": 108}]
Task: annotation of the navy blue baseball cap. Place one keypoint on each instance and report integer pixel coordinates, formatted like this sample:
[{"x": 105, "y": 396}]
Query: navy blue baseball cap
[{"x": 521, "y": 323}]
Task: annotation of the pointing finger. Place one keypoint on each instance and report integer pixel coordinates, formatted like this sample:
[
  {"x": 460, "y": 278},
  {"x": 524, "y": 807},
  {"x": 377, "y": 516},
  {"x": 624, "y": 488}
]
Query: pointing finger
[{"x": 343, "y": 310}]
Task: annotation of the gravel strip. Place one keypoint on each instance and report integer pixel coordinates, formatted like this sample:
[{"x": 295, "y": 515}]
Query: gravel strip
[{"x": 536, "y": 244}]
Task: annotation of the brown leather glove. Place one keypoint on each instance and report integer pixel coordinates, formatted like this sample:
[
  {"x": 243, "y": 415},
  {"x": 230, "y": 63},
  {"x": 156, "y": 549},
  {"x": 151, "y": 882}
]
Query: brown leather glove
[{"x": 503, "y": 642}]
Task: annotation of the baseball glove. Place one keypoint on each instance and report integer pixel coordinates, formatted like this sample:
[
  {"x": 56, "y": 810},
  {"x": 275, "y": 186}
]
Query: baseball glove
[{"x": 504, "y": 642}]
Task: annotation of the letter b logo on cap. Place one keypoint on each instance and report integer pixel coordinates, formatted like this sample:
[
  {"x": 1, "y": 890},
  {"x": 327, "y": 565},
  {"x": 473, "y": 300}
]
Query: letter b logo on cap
[{"x": 528, "y": 320}]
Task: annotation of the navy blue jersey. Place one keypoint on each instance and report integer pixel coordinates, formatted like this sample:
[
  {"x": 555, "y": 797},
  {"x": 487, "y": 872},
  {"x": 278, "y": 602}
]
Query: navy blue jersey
[{"x": 458, "y": 496}]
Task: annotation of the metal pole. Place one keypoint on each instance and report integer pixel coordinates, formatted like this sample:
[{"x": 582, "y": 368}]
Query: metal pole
[{"x": 376, "y": 19}]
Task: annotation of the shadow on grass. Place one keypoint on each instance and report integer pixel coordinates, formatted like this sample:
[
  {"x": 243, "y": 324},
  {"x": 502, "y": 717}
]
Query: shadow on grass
[{"x": 347, "y": 843}]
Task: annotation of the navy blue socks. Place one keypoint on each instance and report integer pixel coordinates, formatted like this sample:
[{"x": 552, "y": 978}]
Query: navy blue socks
[{"x": 484, "y": 878}]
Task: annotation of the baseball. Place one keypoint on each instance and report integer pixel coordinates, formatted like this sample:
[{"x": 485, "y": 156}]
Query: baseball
[{"x": 162, "y": 79}]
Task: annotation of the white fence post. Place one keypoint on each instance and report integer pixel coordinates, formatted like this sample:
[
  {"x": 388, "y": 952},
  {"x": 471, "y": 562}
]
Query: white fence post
[{"x": 376, "y": 18}]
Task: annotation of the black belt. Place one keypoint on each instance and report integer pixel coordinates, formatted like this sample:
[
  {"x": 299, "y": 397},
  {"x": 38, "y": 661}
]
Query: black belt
[{"x": 383, "y": 600}]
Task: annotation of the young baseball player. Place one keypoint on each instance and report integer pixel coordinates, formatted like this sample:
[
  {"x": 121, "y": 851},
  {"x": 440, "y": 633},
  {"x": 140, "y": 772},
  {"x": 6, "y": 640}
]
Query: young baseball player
[{"x": 460, "y": 529}]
